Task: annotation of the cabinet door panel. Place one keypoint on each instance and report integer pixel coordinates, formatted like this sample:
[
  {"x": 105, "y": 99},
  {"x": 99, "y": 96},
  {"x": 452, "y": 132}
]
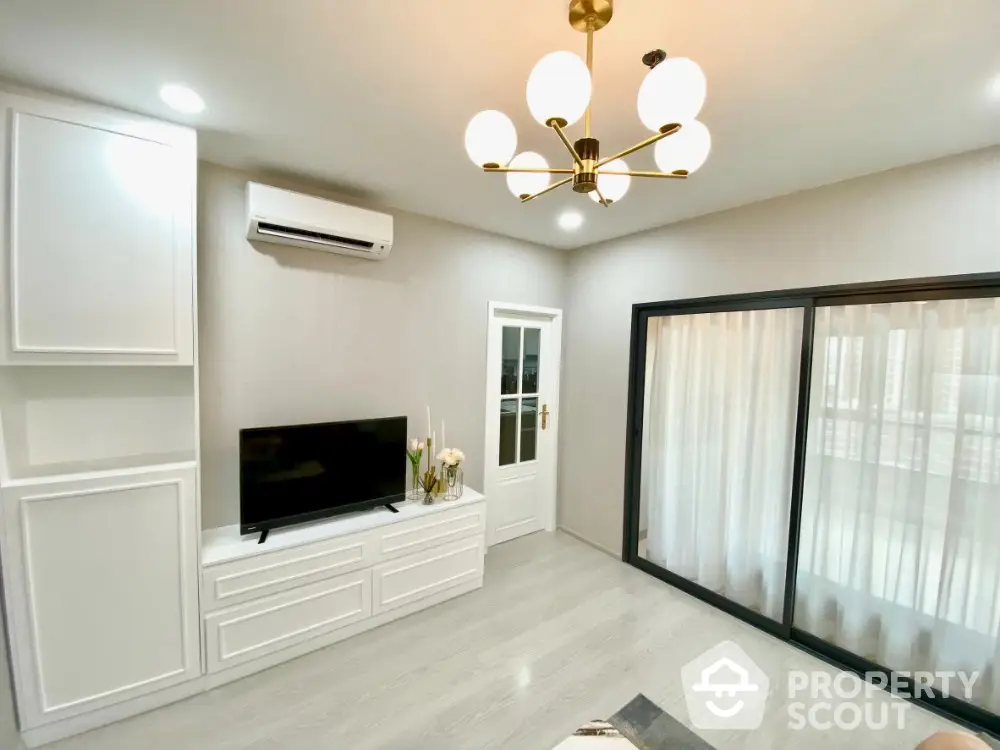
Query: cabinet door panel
[
  {"x": 407, "y": 537},
  {"x": 99, "y": 248},
  {"x": 263, "y": 626},
  {"x": 101, "y": 583},
  {"x": 407, "y": 579},
  {"x": 262, "y": 575}
]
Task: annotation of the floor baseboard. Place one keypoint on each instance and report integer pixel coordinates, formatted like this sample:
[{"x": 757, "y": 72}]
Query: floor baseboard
[{"x": 596, "y": 545}]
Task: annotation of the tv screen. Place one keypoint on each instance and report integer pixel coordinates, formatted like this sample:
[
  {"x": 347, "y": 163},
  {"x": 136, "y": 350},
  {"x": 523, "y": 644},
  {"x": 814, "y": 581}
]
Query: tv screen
[{"x": 304, "y": 472}]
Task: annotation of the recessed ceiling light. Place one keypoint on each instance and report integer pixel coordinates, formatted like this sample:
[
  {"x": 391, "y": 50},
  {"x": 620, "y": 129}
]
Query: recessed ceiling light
[
  {"x": 181, "y": 98},
  {"x": 570, "y": 220}
]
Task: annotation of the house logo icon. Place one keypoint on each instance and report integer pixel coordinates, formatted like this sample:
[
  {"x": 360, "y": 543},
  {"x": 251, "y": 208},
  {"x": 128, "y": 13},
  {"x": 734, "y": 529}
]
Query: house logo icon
[
  {"x": 711, "y": 684},
  {"x": 725, "y": 689}
]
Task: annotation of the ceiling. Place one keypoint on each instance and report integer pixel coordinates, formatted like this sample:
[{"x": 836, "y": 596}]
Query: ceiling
[{"x": 373, "y": 97}]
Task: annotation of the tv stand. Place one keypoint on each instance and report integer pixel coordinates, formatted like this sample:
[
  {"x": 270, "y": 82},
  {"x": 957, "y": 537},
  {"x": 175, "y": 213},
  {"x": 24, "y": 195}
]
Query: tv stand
[
  {"x": 317, "y": 583},
  {"x": 391, "y": 507},
  {"x": 263, "y": 536}
]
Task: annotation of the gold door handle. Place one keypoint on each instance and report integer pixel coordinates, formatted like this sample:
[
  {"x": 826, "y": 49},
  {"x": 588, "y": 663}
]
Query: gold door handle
[{"x": 545, "y": 416}]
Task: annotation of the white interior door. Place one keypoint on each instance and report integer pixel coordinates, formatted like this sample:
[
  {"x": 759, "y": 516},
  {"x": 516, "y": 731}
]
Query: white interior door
[{"x": 522, "y": 401}]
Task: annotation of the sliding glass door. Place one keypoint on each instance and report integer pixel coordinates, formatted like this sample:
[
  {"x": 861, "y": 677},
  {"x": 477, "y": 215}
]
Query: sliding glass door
[
  {"x": 718, "y": 432},
  {"x": 825, "y": 464},
  {"x": 899, "y": 552}
]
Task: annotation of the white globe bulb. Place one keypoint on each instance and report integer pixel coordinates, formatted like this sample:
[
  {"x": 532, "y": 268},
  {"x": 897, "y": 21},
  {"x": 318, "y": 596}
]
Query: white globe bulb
[
  {"x": 686, "y": 149},
  {"x": 672, "y": 92},
  {"x": 559, "y": 87},
  {"x": 528, "y": 183},
  {"x": 612, "y": 186},
  {"x": 490, "y": 138}
]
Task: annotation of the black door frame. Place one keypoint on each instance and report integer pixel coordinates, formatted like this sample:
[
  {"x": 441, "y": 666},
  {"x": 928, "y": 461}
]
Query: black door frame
[{"x": 948, "y": 287}]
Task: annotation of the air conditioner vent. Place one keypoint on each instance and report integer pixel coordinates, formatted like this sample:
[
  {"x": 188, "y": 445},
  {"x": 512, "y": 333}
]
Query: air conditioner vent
[{"x": 307, "y": 234}]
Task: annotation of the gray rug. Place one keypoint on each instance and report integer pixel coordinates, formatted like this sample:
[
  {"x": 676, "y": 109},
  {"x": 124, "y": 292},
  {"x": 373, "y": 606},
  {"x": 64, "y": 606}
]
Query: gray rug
[{"x": 641, "y": 725}]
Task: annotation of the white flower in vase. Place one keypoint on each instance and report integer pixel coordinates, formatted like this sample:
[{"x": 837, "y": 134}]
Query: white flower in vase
[
  {"x": 414, "y": 450},
  {"x": 451, "y": 457}
]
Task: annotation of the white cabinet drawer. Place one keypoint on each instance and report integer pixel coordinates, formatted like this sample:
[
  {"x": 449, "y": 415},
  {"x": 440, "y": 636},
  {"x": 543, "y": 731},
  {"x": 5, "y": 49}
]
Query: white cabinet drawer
[
  {"x": 249, "y": 631},
  {"x": 426, "y": 573},
  {"x": 407, "y": 537},
  {"x": 253, "y": 577}
]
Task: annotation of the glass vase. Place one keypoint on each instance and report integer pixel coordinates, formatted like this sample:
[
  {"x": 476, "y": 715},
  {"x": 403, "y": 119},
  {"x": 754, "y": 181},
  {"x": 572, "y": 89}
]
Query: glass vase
[
  {"x": 454, "y": 480},
  {"x": 414, "y": 478}
]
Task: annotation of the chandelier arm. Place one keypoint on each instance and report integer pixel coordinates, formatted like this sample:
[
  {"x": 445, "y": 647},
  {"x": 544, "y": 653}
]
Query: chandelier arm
[
  {"x": 569, "y": 146},
  {"x": 664, "y": 132},
  {"x": 632, "y": 173},
  {"x": 553, "y": 186},
  {"x": 600, "y": 197},
  {"x": 532, "y": 170}
]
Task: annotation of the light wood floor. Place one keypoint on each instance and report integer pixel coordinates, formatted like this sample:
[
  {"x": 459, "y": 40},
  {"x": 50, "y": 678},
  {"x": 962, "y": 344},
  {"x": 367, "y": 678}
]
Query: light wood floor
[{"x": 560, "y": 634}]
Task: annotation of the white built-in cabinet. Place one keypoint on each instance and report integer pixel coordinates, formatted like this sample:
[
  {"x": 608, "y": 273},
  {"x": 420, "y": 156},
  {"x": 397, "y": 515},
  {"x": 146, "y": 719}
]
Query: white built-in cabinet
[
  {"x": 99, "y": 510},
  {"x": 116, "y": 601},
  {"x": 97, "y": 233},
  {"x": 101, "y": 578}
]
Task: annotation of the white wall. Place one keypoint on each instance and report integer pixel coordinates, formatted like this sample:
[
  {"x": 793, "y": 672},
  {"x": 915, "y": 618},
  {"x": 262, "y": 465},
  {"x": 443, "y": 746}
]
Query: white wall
[
  {"x": 937, "y": 218},
  {"x": 290, "y": 335}
]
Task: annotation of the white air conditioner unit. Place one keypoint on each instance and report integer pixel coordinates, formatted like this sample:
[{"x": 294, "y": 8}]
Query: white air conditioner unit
[{"x": 287, "y": 218}]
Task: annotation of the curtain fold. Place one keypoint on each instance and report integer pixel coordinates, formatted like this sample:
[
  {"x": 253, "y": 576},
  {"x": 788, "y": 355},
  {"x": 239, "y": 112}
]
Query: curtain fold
[
  {"x": 899, "y": 557},
  {"x": 718, "y": 432}
]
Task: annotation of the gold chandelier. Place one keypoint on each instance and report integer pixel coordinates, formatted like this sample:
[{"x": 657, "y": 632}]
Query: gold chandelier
[{"x": 559, "y": 93}]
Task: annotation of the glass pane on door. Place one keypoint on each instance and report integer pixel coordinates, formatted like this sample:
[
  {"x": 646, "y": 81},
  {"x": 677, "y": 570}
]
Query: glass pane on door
[
  {"x": 898, "y": 554},
  {"x": 510, "y": 360},
  {"x": 717, "y": 450},
  {"x": 529, "y": 428},
  {"x": 529, "y": 368},
  {"x": 508, "y": 431}
]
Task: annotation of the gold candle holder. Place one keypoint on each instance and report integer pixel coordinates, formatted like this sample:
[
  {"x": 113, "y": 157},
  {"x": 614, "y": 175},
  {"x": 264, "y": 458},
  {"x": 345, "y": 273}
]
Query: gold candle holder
[{"x": 431, "y": 480}]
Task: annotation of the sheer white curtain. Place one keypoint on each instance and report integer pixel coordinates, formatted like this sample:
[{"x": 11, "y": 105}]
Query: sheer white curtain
[
  {"x": 900, "y": 546},
  {"x": 718, "y": 431}
]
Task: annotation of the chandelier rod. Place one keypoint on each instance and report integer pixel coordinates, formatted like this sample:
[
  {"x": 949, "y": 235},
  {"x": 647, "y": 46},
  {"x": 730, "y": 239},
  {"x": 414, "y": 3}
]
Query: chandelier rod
[
  {"x": 664, "y": 132},
  {"x": 553, "y": 186},
  {"x": 590, "y": 68}
]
